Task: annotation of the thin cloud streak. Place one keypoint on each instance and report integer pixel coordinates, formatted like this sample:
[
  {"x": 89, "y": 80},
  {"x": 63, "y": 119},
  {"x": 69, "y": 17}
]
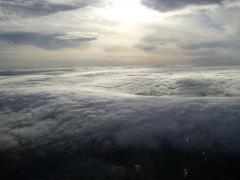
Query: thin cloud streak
[
  {"x": 171, "y": 5},
  {"x": 46, "y": 41}
]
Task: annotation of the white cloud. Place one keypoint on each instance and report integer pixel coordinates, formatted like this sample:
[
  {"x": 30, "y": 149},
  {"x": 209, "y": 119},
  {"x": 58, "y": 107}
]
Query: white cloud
[{"x": 47, "y": 108}]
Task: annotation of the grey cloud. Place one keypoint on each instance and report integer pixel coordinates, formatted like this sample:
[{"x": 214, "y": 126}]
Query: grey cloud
[
  {"x": 220, "y": 51},
  {"x": 151, "y": 43},
  {"x": 26, "y": 8},
  {"x": 46, "y": 41},
  {"x": 171, "y": 5},
  {"x": 207, "y": 38},
  {"x": 226, "y": 44},
  {"x": 90, "y": 121}
]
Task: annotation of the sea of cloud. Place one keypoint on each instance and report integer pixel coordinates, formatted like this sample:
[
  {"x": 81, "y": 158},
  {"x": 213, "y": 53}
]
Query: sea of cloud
[{"x": 194, "y": 108}]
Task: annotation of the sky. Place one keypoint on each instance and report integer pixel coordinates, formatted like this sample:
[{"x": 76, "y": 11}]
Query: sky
[{"x": 44, "y": 33}]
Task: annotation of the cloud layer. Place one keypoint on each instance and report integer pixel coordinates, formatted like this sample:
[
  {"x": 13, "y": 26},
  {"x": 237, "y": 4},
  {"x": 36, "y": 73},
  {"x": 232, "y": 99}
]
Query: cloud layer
[{"x": 46, "y": 110}]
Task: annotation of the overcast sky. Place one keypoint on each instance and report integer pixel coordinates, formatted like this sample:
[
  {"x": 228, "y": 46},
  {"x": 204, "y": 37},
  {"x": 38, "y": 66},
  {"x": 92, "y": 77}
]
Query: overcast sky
[{"x": 119, "y": 32}]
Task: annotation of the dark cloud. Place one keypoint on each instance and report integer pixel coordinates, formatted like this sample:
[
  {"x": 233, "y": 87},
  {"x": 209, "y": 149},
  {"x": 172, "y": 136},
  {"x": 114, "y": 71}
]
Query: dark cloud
[
  {"x": 46, "y": 41},
  {"x": 171, "y": 5},
  {"x": 27, "y": 8}
]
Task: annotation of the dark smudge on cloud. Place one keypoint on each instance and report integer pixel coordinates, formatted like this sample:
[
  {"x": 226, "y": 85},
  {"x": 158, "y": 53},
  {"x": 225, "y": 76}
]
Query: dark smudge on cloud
[
  {"x": 171, "y": 5},
  {"x": 46, "y": 41}
]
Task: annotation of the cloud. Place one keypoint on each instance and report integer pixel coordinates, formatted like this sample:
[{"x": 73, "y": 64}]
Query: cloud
[
  {"x": 57, "y": 111},
  {"x": 221, "y": 44},
  {"x": 210, "y": 40},
  {"x": 168, "y": 42},
  {"x": 28, "y": 8},
  {"x": 47, "y": 41},
  {"x": 171, "y": 5}
]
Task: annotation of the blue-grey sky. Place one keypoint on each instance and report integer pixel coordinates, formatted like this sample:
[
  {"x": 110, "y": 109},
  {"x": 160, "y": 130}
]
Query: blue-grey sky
[{"x": 119, "y": 32}]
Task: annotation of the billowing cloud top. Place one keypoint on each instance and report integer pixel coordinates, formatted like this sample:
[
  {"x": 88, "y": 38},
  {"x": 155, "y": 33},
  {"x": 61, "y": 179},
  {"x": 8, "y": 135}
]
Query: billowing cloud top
[{"x": 115, "y": 108}]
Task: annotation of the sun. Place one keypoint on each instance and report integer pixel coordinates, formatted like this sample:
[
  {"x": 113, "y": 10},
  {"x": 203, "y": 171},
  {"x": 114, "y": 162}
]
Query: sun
[{"x": 129, "y": 11}]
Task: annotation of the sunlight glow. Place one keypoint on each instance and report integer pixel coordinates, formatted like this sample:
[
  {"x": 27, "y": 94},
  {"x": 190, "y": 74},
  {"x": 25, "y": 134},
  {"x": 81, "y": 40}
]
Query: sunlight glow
[{"x": 129, "y": 11}]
